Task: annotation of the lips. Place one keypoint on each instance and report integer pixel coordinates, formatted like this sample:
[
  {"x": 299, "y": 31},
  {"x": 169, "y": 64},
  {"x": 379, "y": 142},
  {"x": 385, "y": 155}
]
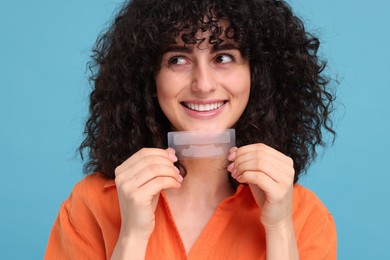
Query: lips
[{"x": 203, "y": 107}]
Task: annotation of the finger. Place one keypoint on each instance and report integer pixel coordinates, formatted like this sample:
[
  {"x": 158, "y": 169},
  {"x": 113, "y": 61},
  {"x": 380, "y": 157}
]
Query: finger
[
  {"x": 147, "y": 174},
  {"x": 265, "y": 150},
  {"x": 138, "y": 166},
  {"x": 263, "y": 181},
  {"x": 232, "y": 153},
  {"x": 153, "y": 171},
  {"x": 265, "y": 159},
  {"x": 168, "y": 154},
  {"x": 156, "y": 185},
  {"x": 259, "y": 165},
  {"x": 170, "y": 150},
  {"x": 269, "y": 165}
]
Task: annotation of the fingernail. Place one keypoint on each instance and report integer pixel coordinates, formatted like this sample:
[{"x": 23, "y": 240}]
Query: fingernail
[
  {"x": 173, "y": 157},
  {"x": 232, "y": 156},
  {"x": 230, "y": 167},
  {"x": 180, "y": 178},
  {"x": 234, "y": 173}
]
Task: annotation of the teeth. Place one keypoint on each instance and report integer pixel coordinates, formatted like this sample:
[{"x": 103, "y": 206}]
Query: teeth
[{"x": 204, "y": 107}]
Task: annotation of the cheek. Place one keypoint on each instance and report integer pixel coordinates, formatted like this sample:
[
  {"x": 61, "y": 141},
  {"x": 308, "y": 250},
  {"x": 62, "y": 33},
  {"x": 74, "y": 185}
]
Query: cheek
[
  {"x": 166, "y": 96},
  {"x": 163, "y": 99},
  {"x": 240, "y": 85},
  {"x": 247, "y": 84},
  {"x": 162, "y": 87},
  {"x": 168, "y": 84}
]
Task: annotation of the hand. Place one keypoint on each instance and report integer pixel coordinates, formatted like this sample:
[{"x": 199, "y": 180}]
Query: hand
[
  {"x": 139, "y": 181},
  {"x": 270, "y": 175}
]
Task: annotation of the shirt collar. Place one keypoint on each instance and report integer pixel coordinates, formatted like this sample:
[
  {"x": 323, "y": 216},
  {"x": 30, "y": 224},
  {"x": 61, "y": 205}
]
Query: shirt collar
[{"x": 109, "y": 184}]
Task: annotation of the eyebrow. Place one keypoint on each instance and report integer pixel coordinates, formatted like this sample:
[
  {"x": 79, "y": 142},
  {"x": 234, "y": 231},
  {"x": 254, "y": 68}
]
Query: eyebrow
[{"x": 215, "y": 48}]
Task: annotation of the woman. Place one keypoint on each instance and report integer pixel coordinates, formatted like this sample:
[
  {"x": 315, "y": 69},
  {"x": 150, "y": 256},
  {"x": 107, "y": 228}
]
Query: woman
[{"x": 175, "y": 65}]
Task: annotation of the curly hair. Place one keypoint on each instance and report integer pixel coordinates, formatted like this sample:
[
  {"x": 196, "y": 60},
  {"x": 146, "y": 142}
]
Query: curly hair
[{"x": 290, "y": 99}]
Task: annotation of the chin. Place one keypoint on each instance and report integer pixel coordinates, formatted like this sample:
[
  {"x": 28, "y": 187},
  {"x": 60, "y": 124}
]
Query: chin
[{"x": 206, "y": 127}]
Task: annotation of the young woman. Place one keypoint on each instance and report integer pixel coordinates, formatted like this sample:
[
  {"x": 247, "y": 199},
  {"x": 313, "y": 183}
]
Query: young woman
[{"x": 172, "y": 65}]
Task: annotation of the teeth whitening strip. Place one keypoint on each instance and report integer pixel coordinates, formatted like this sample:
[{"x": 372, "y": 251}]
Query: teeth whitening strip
[{"x": 202, "y": 144}]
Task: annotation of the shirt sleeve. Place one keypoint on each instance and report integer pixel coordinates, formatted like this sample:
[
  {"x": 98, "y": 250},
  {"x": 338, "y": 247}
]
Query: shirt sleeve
[{"x": 75, "y": 233}]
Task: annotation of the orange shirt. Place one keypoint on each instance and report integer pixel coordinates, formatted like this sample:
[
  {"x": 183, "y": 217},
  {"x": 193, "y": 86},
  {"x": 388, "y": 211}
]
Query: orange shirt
[{"x": 88, "y": 224}]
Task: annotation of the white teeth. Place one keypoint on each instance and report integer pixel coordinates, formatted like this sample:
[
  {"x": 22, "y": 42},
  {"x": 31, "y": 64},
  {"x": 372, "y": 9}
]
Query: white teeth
[{"x": 204, "y": 107}]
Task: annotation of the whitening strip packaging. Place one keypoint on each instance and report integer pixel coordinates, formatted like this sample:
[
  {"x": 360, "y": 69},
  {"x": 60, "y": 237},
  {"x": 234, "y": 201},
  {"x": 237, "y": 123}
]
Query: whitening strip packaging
[{"x": 202, "y": 144}]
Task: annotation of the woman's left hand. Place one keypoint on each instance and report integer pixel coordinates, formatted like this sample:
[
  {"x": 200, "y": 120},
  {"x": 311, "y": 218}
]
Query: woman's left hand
[{"x": 270, "y": 175}]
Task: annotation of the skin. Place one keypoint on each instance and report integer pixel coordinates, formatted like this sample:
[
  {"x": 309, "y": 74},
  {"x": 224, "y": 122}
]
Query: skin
[
  {"x": 270, "y": 176},
  {"x": 203, "y": 75},
  {"x": 139, "y": 181}
]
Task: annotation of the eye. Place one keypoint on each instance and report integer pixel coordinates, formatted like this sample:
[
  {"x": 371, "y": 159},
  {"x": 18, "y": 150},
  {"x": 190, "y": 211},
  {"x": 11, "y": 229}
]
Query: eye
[
  {"x": 177, "y": 60},
  {"x": 224, "y": 58}
]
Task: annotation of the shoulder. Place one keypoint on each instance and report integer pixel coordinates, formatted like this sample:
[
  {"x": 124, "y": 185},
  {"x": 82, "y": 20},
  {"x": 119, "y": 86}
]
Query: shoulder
[
  {"x": 306, "y": 202},
  {"x": 302, "y": 195},
  {"x": 309, "y": 213},
  {"x": 315, "y": 228},
  {"x": 80, "y": 230},
  {"x": 93, "y": 185},
  {"x": 91, "y": 197}
]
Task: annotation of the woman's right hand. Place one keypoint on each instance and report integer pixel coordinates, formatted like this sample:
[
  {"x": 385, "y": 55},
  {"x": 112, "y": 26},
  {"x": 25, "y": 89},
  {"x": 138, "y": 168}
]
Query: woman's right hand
[{"x": 139, "y": 181}]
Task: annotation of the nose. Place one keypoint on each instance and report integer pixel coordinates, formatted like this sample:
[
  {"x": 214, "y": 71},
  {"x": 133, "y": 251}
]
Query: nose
[{"x": 203, "y": 78}]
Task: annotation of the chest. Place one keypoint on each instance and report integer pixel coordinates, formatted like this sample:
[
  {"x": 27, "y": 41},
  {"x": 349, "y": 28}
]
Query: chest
[
  {"x": 190, "y": 223},
  {"x": 230, "y": 231}
]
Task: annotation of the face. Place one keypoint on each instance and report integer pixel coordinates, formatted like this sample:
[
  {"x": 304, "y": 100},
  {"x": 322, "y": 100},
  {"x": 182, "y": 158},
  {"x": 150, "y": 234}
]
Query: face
[{"x": 203, "y": 87}]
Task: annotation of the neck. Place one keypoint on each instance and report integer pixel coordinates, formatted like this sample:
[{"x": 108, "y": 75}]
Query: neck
[{"x": 206, "y": 181}]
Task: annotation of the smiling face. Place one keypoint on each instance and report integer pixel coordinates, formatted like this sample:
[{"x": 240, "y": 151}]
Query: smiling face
[{"x": 203, "y": 86}]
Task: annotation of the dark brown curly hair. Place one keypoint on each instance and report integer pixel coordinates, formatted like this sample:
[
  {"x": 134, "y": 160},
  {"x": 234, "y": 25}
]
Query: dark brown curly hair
[{"x": 290, "y": 99}]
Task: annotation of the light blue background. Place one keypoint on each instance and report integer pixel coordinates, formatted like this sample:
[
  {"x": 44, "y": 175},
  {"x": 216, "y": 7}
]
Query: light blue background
[{"x": 44, "y": 46}]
